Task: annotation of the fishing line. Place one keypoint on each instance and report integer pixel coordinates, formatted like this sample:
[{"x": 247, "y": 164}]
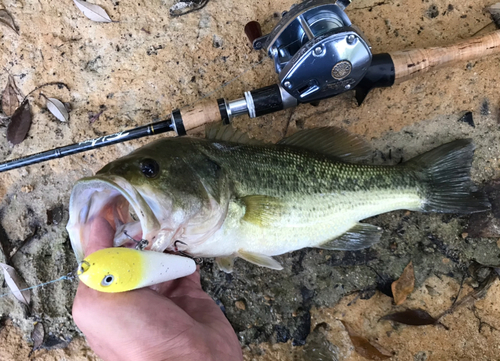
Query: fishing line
[{"x": 70, "y": 276}]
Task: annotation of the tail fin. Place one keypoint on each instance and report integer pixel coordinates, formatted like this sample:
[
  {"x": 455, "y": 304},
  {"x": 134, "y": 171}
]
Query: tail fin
[{"x": 444, "y": 173}]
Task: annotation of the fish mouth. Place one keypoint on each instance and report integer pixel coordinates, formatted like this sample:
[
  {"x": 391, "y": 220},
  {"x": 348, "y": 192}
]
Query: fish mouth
[{"x": 116, "y": 200}]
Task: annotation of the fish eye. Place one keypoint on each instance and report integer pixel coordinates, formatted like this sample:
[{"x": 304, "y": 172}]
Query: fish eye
[
  {"x": 107, "y": 280},
  {"x": 149, "y": 167}
]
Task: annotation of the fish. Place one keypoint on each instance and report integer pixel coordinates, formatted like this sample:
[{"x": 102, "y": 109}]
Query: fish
[
  {"x": 229, "y": 196},
  {"x": 113, "y": 270}
]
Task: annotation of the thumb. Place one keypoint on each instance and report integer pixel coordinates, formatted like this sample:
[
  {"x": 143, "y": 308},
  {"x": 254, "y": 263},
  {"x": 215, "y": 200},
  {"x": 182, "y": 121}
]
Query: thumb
[{"x": 99, "y": 235}]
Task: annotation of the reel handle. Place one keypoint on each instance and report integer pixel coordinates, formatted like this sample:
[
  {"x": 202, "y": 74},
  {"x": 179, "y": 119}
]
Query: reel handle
[
  {"x": 253, "y": 31},
  {"x": 409, "y": 63}
]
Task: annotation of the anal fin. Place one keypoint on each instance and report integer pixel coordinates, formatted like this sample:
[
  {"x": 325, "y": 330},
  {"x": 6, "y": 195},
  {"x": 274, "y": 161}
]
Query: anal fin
[
  {"x": 225, "y": 263},
  {"x": 260, "y": 260},
  {"x": 361, "y": 236}
]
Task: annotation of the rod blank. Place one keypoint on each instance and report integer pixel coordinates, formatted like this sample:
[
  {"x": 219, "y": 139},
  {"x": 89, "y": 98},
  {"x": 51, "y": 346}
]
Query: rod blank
[{"x": 139, "y": 132}]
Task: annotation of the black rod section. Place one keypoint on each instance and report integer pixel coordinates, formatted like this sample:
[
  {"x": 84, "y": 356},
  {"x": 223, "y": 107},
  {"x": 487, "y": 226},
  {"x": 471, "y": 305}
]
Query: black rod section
[
  {"x": 267, "y": 100},
  {"x": 380, "y": 74},
  {"x": 139, "y": 132}
]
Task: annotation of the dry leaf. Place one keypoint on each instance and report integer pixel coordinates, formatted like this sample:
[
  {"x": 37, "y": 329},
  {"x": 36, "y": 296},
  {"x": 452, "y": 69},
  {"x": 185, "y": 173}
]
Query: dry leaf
[
  {"x": 57, "y": 108},
  {"x": 10, "y": 100},
  {"x": 7, "y": 20},
  {"x": 416, "y": 317},
  {"x": 404, "y": 285},
  {"x": 367, "y": 349},
  {"x": 20, "y": 123},
  {"x": 93, "y": 12},
  {"x": 38, "y": 336},
  {"x": 16, "y": 284}
]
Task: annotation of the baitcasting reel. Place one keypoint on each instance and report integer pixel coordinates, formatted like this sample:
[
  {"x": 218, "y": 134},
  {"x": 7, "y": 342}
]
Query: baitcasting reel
[
  {"x": 316, "y": 50},
  {"x": 317, "y": 53}
]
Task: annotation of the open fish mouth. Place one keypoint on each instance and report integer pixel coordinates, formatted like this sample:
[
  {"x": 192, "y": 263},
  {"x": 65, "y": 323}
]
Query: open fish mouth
[{"x": 116, "y": 200}]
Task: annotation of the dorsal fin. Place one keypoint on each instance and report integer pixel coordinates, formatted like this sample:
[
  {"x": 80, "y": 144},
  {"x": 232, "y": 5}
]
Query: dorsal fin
[
  {"x": 332, "y": 141},
  {"x": 228, "y": 133}
]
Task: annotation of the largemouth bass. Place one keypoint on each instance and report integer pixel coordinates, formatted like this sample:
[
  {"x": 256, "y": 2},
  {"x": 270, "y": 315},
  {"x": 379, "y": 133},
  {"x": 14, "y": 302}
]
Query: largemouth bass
[{"x": 228, "y": 196}]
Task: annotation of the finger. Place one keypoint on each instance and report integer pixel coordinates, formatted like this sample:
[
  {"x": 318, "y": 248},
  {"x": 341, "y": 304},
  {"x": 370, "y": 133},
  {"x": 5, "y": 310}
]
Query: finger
[
  {"x": 187, "y": 293},
  {"x": 128, "y": 318},
  {"x": 100, "y": 235}
]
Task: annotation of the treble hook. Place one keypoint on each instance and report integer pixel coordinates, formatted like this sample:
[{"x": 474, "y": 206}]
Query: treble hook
[
  {"x": 139, "y": 245},
  {"x": 196, "y": 260}
]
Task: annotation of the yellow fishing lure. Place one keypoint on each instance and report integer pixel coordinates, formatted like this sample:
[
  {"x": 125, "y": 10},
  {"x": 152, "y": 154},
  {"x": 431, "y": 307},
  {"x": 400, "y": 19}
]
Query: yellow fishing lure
[{"x": 119, "y": 269}]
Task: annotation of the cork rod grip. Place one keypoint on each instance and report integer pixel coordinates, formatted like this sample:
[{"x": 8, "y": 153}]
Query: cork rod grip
[
  {"x": 200, "y": 114},
  {"x": 409, "y": 63}
]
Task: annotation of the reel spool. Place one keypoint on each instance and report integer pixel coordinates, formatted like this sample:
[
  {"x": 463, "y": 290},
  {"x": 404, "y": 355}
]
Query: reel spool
[{"x": 316, "y": 50}]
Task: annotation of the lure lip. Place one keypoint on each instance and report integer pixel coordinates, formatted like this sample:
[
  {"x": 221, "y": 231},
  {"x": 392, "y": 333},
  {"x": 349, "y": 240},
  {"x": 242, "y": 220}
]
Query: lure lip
[{"x": 91, "y": 195}]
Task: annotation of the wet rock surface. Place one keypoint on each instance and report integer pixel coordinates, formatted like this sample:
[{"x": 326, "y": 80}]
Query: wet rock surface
[{"x": 136, "y": 70}]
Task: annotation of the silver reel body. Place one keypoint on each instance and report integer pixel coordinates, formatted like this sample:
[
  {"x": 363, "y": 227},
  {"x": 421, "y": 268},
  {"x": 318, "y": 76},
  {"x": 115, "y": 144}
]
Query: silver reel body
[{"x": 316, "y": 50}]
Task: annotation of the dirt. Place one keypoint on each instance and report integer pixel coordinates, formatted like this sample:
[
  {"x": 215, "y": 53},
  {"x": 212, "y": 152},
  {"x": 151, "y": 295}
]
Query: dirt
[
  {"x": 469, "y": 333},
  {"x": 146, "y": 63}
]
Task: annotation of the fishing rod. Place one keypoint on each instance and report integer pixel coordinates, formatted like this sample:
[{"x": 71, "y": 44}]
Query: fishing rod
[{"x": 317, "y": 53}]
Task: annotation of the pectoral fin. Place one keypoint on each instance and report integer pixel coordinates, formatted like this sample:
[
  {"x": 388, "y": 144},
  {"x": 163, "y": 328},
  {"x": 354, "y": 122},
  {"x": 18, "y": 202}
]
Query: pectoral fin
[
  {"x": 360, "y": 236},
  {"x": 260, "y": 260},
  {"x": 225, "y": 263},
  {"x": 262, "y": 210}
]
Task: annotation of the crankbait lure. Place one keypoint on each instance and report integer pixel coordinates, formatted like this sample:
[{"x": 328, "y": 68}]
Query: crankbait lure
[{"x": 120, "y": 269}]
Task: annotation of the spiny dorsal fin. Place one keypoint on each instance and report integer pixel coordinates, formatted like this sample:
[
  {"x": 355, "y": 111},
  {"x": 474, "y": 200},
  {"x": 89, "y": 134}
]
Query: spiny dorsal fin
[
  {"x": 260, "y": 259},
  {"x": 361, "y": 236},
  {"x": 332, "y": 141},
  {"x": 228, "y": 133},
  {"x": 225, "y": 263},
  {"x": 262, "y": 210}
]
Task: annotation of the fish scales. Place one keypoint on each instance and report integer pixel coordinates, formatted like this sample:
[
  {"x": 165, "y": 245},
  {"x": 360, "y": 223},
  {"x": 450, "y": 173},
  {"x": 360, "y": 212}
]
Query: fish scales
[
  {"x": 224, "y": 198},
  {"x": 288, "y": 170},
  {"x": 322, "y": 197}
]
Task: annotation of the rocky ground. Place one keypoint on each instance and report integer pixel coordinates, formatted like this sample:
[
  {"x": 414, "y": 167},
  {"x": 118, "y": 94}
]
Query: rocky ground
[{"x": 138, "y": 68}]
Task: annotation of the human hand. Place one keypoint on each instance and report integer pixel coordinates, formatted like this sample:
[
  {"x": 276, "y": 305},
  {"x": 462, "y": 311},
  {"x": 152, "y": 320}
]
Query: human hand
[{"x": 177, "y": 322}]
